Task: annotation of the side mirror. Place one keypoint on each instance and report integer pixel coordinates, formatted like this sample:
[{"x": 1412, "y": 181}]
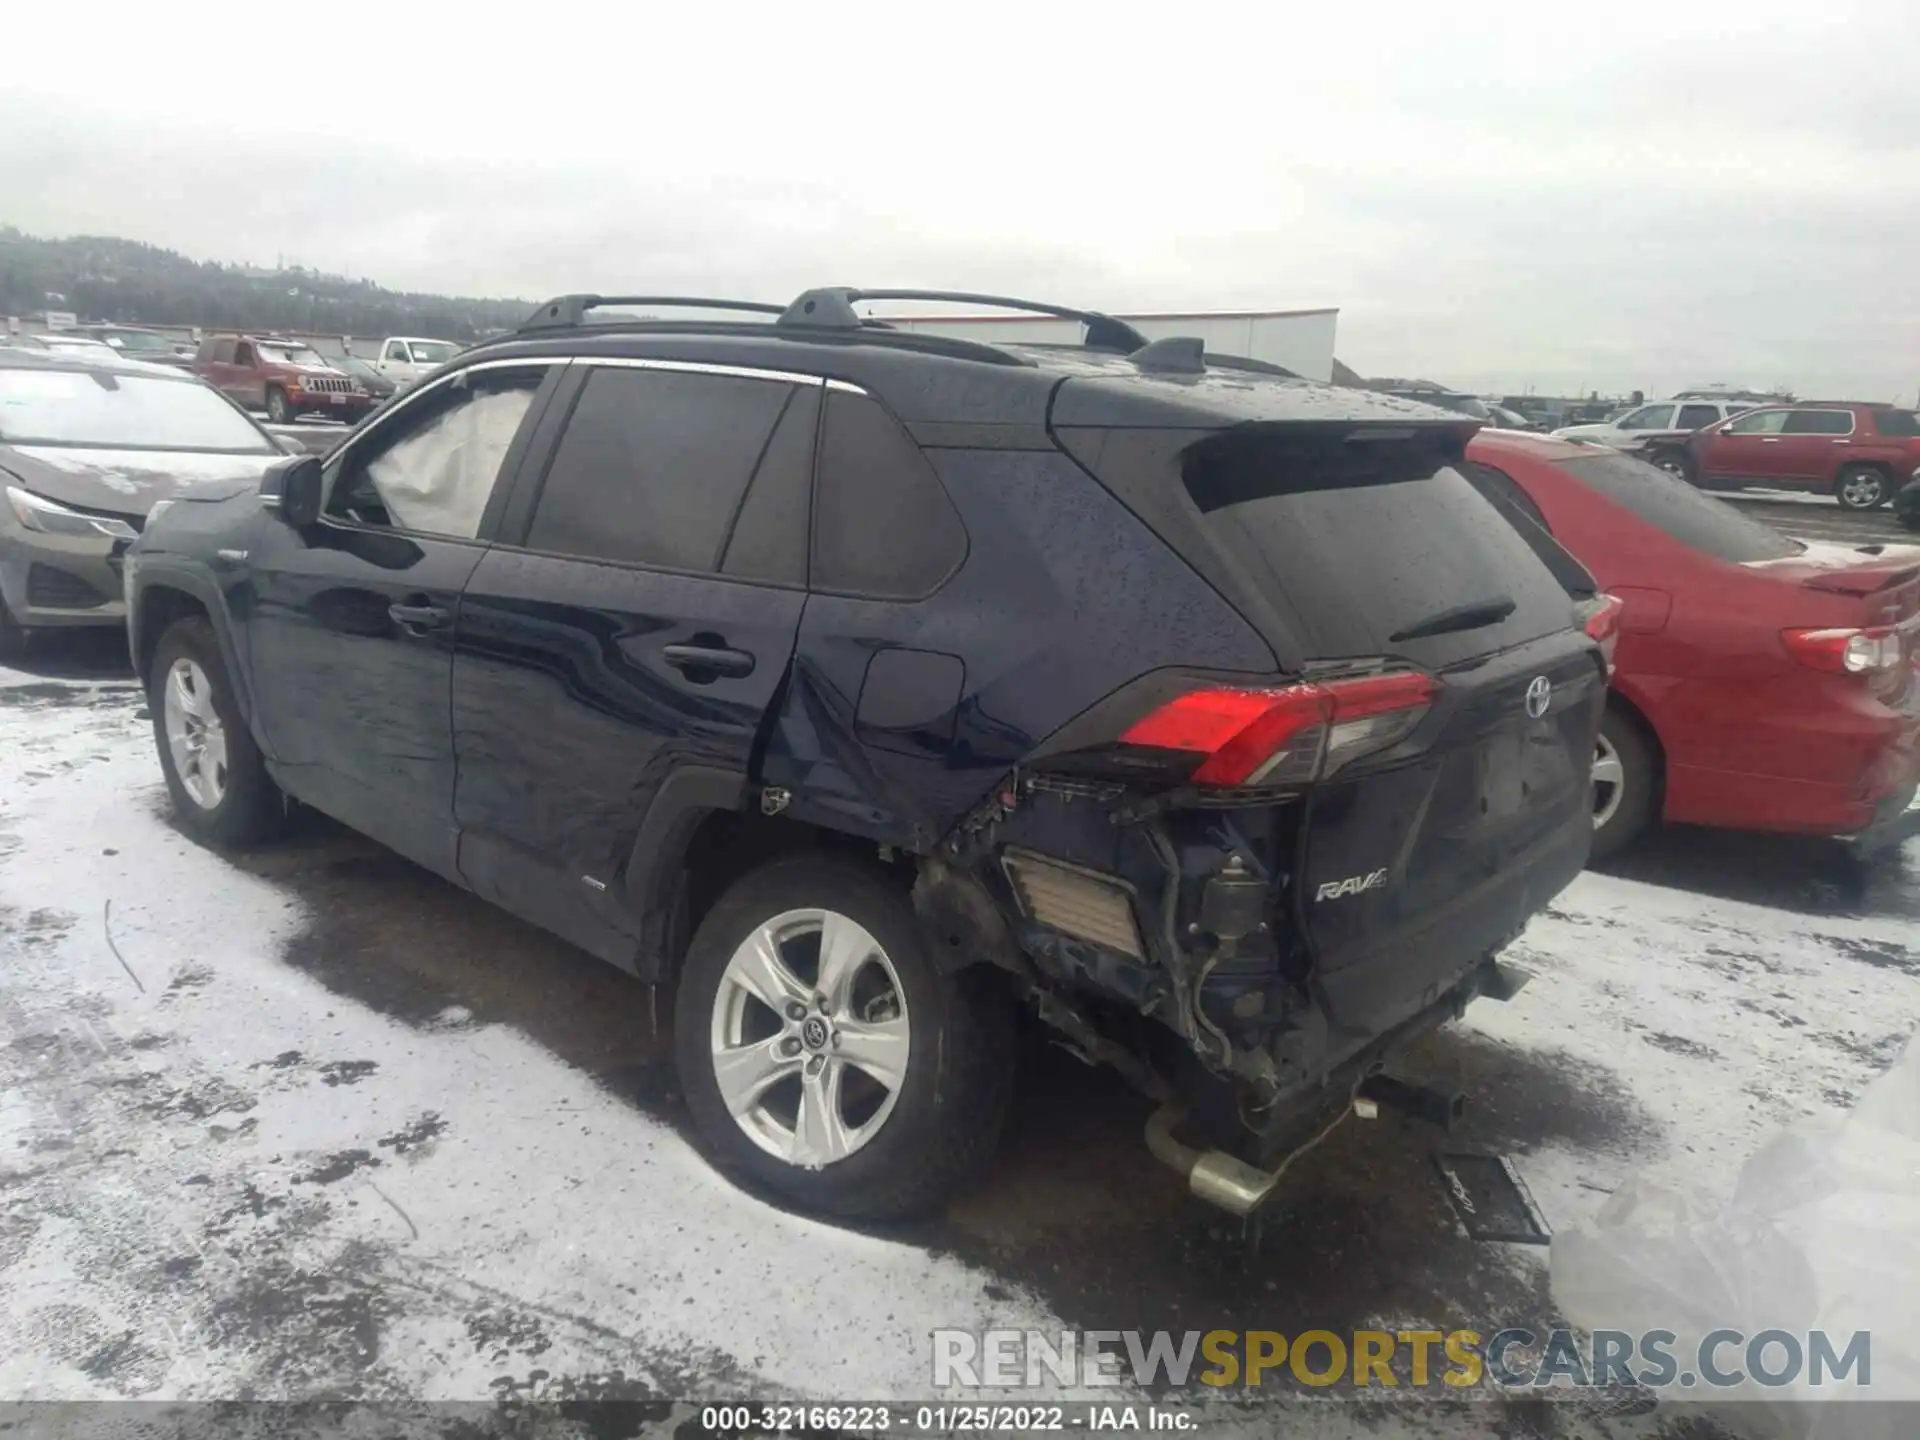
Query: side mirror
[{"x": 292, "y": 487}]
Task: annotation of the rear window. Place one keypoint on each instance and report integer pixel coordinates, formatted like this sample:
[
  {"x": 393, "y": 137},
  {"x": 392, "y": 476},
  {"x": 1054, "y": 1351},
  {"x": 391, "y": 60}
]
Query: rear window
[
  {"x": 1361, "y": 542},
  {"x": 1697, "y": 521},
  {"x": 122, "y": 412}
]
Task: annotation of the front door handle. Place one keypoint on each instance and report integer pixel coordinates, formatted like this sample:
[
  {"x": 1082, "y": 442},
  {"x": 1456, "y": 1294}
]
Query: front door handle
[
  {"x": 703, "y": 664},
  {"x": 420, "y": 617}
]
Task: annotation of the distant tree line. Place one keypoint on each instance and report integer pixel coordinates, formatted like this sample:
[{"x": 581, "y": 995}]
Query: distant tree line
[{"x": 101, "y": 277}]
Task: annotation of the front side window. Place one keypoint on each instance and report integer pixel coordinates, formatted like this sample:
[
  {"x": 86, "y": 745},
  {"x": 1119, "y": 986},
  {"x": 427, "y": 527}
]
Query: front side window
[
  {"x": 122, "y": 412},
  {"x": 433, "y": 466},
  {"x": 1819, "y": 422},
  {"x": 396, "y": 351},
  {"x": 654, "y": 465},
  {"x": 1902, "y": 423},
  {"x": 1651, "y": 417},
  {"x": 243, "y": 354},
  {"x": 1757, "y": 422}
]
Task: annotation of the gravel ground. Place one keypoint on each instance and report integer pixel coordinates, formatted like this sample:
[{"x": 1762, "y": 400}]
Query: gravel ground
[{"x": 311, "y": 1122}]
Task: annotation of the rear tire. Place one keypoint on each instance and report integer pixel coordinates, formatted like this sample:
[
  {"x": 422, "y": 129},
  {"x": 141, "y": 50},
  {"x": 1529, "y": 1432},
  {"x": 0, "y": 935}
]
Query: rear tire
[
  {"x": 1862, "y": 487},
  {"x": 1626, "y": 782},
  {"x": 226, "y": 797},
  {"x": 921, "y": 1138},
  {"x": 1677, "y": 463}
]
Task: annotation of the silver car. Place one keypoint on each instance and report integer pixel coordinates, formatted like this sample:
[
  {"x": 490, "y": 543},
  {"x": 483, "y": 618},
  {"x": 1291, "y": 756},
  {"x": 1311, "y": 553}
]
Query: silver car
[{"x": 87, "y": 448}]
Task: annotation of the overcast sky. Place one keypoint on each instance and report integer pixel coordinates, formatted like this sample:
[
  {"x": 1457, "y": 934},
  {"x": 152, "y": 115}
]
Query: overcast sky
[{"x": 1612, "y": 196}]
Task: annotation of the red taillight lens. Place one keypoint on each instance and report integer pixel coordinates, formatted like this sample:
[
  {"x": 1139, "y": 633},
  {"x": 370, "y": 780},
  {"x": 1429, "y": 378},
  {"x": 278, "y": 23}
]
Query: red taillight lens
[
  {"x": 1600, "y": 617},
  {"x": 1289, "y": 735},
  {"x": 1845, "y": 652}
]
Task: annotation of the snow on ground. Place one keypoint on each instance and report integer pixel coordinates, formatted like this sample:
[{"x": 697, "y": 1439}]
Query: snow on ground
[{"x": 221, "y": 1179}]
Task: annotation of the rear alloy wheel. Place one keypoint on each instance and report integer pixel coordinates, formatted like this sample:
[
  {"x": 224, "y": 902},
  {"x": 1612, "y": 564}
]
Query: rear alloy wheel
[
  {"x": 824, "y": 1055},
  {"x": 1624, "y": 781},
  {"x": 1861, "y": 487}
]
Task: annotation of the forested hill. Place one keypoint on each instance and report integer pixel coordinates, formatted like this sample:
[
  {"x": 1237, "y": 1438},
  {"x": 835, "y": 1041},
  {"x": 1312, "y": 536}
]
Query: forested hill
[{"x": 100, "y": 277}]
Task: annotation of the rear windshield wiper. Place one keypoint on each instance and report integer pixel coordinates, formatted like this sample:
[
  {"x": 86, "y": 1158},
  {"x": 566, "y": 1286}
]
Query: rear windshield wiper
[{"x": 1461, "y": 617}]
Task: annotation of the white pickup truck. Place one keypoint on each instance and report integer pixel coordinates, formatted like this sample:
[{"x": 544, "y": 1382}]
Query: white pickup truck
[{"x": 408, "y": 359}]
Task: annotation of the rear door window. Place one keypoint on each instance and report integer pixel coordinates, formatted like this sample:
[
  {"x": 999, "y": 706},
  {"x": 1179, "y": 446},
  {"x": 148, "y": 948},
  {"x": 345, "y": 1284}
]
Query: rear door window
[
  {"x": 883, "y": 525},
  {"x": 1697, "y": 521},
  {"x": 653, "y": 466},
  {"x": 1363, "y": 542},
  {"x": 1818, "y": 422},
  {"x": 1696, "y": 417}
]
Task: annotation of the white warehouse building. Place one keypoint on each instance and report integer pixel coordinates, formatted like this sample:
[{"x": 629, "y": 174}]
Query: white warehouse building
[{"x": 1299, "y": 340}]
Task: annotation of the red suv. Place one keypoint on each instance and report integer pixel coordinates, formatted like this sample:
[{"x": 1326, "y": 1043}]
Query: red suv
[
  {"x": 285, "y": 378},
  {"x": 1861, "y": 453},
  {"x": 1761, "y": 682}
]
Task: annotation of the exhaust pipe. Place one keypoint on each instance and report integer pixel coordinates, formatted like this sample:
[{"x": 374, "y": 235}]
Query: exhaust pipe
[{"x": 1213, "y": 1175}]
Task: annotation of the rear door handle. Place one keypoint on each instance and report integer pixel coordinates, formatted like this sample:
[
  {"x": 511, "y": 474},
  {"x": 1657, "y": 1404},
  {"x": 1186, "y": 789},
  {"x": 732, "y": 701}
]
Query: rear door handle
[
  {"x": 703, "y": 663},
  {"x": 419, "y": 617}
]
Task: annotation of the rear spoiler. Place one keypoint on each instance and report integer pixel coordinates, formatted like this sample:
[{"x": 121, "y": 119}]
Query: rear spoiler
[{"x": 1862, "y": 579}]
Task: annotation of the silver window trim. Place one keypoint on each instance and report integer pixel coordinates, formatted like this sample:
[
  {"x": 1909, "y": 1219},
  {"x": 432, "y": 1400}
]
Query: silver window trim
[{"x": 706, "y": 367}]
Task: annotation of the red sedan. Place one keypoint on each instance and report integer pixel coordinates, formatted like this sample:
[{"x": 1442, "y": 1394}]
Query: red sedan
[{"x": 1762, "y": 683}]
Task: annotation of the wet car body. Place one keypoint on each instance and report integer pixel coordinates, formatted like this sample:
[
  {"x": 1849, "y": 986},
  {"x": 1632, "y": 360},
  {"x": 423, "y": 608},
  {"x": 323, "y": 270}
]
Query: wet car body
[
  {"x": 1236, "y": 817},
  {"x": 1733, "y": 652}
]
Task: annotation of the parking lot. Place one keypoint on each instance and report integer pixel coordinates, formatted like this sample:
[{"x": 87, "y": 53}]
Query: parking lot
[{"x": 311, "y": 1121}]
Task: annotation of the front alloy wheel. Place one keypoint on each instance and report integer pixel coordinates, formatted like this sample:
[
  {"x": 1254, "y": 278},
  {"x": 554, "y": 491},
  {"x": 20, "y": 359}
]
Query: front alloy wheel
[
  {"x": 195, "y": 736},
  {"x": 810, "y": 1037}
]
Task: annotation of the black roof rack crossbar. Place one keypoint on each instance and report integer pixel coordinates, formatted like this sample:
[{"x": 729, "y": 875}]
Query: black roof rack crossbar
[
  {"x": 833, "y": 308},
  {"x": 568, "y": 311}
]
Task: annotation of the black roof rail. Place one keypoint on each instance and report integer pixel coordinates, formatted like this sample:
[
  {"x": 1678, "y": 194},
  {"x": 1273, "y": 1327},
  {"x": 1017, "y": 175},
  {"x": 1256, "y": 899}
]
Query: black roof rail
[
  {"x": 832, "y": 308},
  {"x": 567, "y": 311}
]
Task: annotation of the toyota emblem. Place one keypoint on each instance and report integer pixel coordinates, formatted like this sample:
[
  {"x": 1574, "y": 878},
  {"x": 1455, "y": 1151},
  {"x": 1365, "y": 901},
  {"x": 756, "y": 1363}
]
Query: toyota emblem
[{"x": 1539, "y": 692}]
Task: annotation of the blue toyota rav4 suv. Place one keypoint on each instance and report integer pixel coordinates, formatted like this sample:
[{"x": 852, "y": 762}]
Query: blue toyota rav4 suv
[{"x": 866, "y": 686}]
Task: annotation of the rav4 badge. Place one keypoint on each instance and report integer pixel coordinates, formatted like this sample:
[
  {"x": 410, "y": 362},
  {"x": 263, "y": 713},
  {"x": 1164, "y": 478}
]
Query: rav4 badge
[{"x": 1352, "y": 885}]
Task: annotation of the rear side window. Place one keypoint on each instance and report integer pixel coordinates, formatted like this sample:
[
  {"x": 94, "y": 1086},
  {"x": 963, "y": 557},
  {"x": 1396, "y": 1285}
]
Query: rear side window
[
  {"x": 1819, "y": 422},
  {"x": 1697, "y": 521},
  {"x": 1366, "y": 541},
  {"x": 883, "y": 525},
  {"x": 653, "y": 466},
  {"x": 1902, "y": 423},
  {"x": 1696, "y": 417}
]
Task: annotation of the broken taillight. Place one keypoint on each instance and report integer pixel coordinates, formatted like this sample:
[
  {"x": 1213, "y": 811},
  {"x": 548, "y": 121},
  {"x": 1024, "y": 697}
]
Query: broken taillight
[
  {"x": 1291, "y": 734},
  {"x": 1600, "y": 618},
  {"x": 1844, "y": 651}
]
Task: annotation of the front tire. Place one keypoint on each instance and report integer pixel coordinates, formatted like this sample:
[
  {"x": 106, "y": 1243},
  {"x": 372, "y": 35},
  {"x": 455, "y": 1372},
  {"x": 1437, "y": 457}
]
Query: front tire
[
  {"x": 1862, "y": 487},
  {"x": 13, "y": 640},
  {"x": 824, "y": 1055},
  {"x": 215, "y": 774},
  {"x": 278, "y": 411},
  {"x": 1626, "y": 782}
]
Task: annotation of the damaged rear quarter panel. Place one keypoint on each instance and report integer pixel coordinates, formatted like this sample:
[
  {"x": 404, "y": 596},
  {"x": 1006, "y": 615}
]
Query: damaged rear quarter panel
[{"x": 1065, "y": 596}]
